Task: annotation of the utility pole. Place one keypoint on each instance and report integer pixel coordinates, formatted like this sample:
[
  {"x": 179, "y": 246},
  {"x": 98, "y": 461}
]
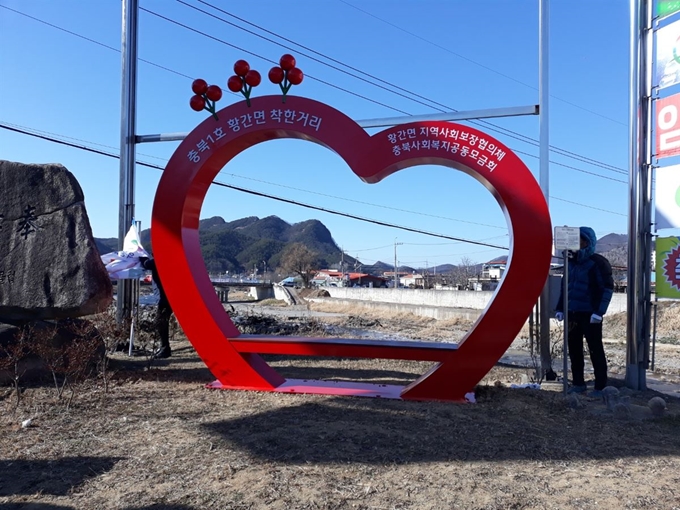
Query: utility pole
[
  {"x": 639, "y": 202},
  {"x": 396, "y": 278},
  {"x": 128, "y": 121},
  {"x": 544, "y": 168}
]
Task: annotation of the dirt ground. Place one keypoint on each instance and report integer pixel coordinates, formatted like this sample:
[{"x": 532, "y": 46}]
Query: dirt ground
[{"x": 154, "y": 437}]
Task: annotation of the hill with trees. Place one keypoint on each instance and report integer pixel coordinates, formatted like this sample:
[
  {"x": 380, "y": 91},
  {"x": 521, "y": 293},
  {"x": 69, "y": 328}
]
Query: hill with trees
[
  {"x": 261, "y": 244},
  {"x": 253, "y": 244}
]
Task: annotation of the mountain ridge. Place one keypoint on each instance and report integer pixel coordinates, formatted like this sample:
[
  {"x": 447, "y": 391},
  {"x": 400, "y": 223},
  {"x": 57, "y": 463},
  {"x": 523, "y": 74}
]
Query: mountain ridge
[{"x": 253, "y": 243}]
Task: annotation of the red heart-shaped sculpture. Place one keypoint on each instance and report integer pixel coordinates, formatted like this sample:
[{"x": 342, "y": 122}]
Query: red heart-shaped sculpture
[{"x": 233, "y": 358}]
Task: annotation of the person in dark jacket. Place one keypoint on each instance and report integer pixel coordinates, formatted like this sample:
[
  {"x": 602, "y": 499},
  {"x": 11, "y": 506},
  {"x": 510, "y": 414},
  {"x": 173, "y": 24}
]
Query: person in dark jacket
[
  {"x": 163, "y": 313},
  {"x": 590, "y": 288}
]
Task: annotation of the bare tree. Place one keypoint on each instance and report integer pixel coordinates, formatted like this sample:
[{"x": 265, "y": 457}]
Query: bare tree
[
  {"x": 468, "y": 268},
  {"x": 299, "y": 259},
  {"x": 462, "y": 273}
]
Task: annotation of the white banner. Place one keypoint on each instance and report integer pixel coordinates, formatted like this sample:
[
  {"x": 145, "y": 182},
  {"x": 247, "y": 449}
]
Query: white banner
[
  {"x": 667, "y": 62},
  {"x": 667, "y": 197},
  {"x": 125, "y": 264}
]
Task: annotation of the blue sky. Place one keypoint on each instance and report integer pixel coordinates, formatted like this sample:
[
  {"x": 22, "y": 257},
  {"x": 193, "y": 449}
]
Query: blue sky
[{"x": 464, "y": 54}]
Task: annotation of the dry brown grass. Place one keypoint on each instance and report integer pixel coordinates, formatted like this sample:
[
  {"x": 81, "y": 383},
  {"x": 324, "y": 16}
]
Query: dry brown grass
[{"x": 159, "y": 439}]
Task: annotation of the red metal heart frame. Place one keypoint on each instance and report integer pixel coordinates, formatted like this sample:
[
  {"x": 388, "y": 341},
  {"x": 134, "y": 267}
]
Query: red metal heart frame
[{"x": 234, "y": 358}]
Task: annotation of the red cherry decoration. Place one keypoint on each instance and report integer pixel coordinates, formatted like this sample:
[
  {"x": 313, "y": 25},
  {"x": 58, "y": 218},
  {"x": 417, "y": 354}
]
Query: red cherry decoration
[
  {"x": 199, "y": 86},
  {"x": 253, "y": 78},
  {"x": 241, "y": 68},
  {"x": 287, "y": 62},
  {"x": 276, "y": 75},
  {"x": 214, "y": 93},
  {"x": 295, "y": 76},
  {"x": 234, "y": 84},
  {"x": 197, "y": 103}
]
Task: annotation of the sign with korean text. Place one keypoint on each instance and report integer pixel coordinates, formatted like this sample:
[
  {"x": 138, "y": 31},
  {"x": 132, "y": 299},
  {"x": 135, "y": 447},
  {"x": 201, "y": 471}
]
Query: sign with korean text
[
  {"x": 667, "y": 64},
  {"x": 667, "y": 197},
  {"x": 667, "y": 7},
  {"x": 668, "y": 267},
  {"x": 668, "y": 126},
  {"x": 234, "y": 358},
  {"x": 567, "y": 238}
]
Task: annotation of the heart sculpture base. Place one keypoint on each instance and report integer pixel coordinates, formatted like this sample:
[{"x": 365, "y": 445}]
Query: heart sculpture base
[
  {"x": 338, "y": 388},
  {"x": 234, "y": 359},
  {"x": 340, "y": 348}
]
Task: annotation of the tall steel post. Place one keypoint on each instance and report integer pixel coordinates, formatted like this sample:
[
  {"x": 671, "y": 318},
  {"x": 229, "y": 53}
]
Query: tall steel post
[
  {"x": 396, "y": 278},
  {"x": 639, "y": 203},
  {"x": 128, "y": 118},
  {"x": 544, "y": 165}
]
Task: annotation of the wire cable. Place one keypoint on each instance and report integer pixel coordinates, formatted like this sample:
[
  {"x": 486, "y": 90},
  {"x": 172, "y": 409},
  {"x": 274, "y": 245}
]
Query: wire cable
[
  {"x": 463, "y": 57},
  {"x": 217, "y": 39},
  {"x": 489, "y": 125},
  {"x": 89, "y": 149},
  {"x": 381, "y": 104},
  {"x": 265, "y": 195},
  {"x": 93, "y": 41},
  {"x": 361, "y": 202}
]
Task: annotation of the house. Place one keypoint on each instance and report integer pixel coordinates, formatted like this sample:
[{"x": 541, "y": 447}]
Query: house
[
  {"x": 494, "y": 269},
  {"x": 413, "y": 281},
  {"x": 365, "y": 280},
  {"x": 389, "y": 277},
  {"x": 328, "y": 278},
  {"x": 489, "y": 278},
  {"x": 333, "y": 278}
]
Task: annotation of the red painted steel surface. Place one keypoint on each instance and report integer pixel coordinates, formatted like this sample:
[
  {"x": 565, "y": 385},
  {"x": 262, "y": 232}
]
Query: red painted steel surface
[
  {"x": 340, "y": 388},
  {"x": 212, "y": 144},
  {"x": 343, "y": 347}
]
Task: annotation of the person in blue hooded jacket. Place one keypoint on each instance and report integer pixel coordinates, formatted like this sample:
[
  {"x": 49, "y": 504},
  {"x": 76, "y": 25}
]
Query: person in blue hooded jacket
[{"x": 590, "y": 290}]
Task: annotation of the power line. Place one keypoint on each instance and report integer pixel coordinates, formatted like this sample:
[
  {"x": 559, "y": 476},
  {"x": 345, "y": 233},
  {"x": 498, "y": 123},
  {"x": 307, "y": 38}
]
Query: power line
[
  {"x": 27, "y": 130},
  {"x": 363, "y": 203},
  {"x": 321, "y": 81},
  {"x": 463, "y": 57},
  {"x": 416, "y": 244},
  {"x": 588, "y": 206},
  {"x": 89, "y": 149},
  {"x": 75, "y": 34},
  {"x": 217, "y": 39},
  {"x": 573, "y": 167},
  {"x": 306, "y": 55},
  {"x": 264, "y": 195},
  {"x": 223, "y": 173},
  {"x": 489, "y": 125}
]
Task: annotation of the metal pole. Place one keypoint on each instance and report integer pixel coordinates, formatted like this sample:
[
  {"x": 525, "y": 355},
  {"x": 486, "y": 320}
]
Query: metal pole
[
  {"x": 565, "y": 346},
  {"x": 128, "y": 113},
  {"x": 396, "y": 281},
  {"x": 638, "y": 227},
  {"x": 656, "y": 311},
  {"x": 544, "y": 168},
  {"x": 510, "y": 111},
  {"x": 646, "y": 273}
]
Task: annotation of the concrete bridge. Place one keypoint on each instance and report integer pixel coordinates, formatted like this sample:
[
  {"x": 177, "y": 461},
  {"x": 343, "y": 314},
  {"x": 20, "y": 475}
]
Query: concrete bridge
[
  {"x": 259, "y": 288},
  {"x": 226, "y": 281}
]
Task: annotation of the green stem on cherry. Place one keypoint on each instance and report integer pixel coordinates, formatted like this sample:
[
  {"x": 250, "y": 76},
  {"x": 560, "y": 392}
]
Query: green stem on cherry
[
  {"x": 285, "y": 86},
  {"x": 210, "y": 106}
]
